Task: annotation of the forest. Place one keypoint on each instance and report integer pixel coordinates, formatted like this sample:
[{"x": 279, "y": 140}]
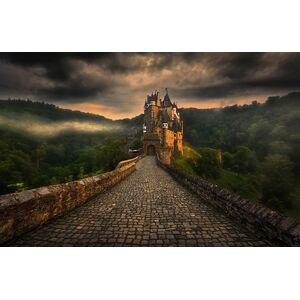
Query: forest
[
  {"x": 41, "y": 144},
  {"x": 252, "y": 150}
]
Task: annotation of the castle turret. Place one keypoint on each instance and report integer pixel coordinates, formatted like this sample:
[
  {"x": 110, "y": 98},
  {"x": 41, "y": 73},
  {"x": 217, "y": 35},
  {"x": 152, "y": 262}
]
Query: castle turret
[
  {"x": 167, "y": 101},
  {"x": 162, "y": 129}
]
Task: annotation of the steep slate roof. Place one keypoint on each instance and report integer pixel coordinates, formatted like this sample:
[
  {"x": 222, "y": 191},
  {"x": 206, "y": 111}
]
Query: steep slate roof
[{"x": 167, "y": 100}]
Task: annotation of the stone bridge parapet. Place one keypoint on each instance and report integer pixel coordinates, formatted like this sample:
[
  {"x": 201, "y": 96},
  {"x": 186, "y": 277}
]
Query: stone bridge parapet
[
  {"x": 255, "y": 216},
  {"x": 23, "y": 211}
]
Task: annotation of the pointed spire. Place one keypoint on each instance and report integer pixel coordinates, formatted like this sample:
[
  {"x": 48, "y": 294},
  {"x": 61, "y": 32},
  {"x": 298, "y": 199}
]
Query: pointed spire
[{"x": 167, "y": 101}]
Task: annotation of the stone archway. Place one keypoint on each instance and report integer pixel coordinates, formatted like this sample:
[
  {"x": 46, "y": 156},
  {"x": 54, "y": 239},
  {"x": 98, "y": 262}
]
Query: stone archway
[{"x": 151, "y": 150}]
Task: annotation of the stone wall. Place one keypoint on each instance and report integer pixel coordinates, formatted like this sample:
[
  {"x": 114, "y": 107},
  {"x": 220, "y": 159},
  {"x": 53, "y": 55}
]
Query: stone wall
[
  {"x": 21, "y": 212},
  {"x": 256, "y": 217}
]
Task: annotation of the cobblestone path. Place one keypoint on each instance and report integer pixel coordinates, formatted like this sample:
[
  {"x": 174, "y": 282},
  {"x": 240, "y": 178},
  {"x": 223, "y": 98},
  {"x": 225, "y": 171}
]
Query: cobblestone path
[{"x": 148, "y": 208}]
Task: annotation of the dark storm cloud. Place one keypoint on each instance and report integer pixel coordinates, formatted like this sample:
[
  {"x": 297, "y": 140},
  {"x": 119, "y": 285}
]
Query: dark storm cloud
[
  {"x": 239, "y": 74},
  {"x": 73, "y": 90},
  {"x": 234, "y": 74},
  {"x": 62, "y": 72},
  {"x": 121, "y": 80},
  {"x": 57, "y": 65},
  {"x": 237, "y": 89}
]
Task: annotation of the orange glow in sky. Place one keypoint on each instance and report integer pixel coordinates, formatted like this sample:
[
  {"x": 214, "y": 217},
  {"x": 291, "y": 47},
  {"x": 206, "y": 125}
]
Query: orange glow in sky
[{"x": 107, "y": 112}]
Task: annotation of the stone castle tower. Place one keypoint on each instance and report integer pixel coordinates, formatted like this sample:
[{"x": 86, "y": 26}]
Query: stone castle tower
[{"x": 163, "y": 128}]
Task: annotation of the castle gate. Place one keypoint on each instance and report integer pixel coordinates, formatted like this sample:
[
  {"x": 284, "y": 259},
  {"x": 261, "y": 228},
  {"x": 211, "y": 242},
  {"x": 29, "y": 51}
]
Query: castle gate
[{"x": 151, "y": 150}]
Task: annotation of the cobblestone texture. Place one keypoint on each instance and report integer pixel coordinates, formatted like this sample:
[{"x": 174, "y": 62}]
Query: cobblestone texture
[{"x": 148, "y": 208}]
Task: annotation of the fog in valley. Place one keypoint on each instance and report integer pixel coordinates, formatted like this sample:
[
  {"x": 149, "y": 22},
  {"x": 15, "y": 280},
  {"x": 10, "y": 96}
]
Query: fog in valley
[{"x": 42, "y": 127}]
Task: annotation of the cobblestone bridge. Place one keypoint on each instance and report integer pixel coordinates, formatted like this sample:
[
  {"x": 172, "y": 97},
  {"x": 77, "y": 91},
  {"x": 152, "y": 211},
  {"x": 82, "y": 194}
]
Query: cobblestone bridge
[{"x": 148, "y": 208}]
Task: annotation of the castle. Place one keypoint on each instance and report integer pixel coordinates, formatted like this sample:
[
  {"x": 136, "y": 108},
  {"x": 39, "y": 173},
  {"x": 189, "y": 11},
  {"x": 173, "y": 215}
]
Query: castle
[{"x": 163, "y": 128}]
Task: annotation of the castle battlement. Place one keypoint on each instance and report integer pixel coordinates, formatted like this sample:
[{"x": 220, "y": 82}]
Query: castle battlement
[{"x": 162, "y": 128}]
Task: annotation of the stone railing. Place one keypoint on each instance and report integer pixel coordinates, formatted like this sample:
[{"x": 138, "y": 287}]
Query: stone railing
[
  {"x": 124, "y": 163},
  {"x": 256, "y": 217},
  {"x": 21, "y": 212}
]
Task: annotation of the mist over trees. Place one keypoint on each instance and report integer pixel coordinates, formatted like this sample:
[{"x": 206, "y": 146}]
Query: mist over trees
[
  {"x": 29, "y": 160},
  {"x": 260, "y": 146}
]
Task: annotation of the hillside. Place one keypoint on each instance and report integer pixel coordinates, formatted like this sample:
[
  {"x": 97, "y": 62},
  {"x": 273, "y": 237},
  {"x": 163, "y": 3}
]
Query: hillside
[
  {"x": 271, "y": 127},
  {"x": 42, "y": 144},
  {"x": 260, "y": 146},
  {"x": 46, "y": 110}
]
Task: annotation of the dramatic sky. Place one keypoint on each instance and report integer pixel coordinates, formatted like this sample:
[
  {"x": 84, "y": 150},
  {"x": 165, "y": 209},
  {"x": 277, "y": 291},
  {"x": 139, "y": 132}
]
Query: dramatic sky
[{"x": 116, "y": 84}]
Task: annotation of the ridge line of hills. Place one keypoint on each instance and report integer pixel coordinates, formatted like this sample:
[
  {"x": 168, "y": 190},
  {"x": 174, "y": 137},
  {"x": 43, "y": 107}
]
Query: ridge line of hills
[
  {"x": 42, "y": 144},
  {"x": 56, "y": 113}
]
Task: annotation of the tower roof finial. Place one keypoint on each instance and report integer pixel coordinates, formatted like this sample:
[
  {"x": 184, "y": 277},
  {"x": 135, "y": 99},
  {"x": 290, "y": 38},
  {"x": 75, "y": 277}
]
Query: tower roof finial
[{"x": 167, "y": 101}]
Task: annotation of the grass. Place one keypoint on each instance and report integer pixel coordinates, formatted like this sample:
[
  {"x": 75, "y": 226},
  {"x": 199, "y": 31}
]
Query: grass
[
  {"x": 185, "y": 162},
  {"x": 244, "y": 185}
]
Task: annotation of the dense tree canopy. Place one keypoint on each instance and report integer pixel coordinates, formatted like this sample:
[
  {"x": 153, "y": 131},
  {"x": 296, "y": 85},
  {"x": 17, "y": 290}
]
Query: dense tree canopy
[
  {"x": 260, "y": 146},
  {"x": 208, "y": 165},
  {"x": 269, "y": 128},
  {"x": 277, "y": 180},
  {"x": 28, "y": 160}
]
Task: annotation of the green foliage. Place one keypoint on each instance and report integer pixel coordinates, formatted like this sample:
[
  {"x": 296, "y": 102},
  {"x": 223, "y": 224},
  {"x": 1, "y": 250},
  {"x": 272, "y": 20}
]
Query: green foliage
[
  {"x": 27, "y": 163},
  {"x": 246, "y": 186},
  {"x": 207, "y": 165},
  {"x": 187, "y": 162},
  {"x": 244, "y": 160},
  {"x": 294, "y": 209},
  {"x": 204, "y": 163},
  {"x": 280, "y": 147},
  {"x": 277, "y": 181},
  {"x": 228, "y": 160},
  {"x": 136, "y": 144},
  {"x": 260, "y": 145},
  {"x": 50, "y": 111},
  {"x": 271, "y": 181},
  {"x": 110, "y": 154},
  {"x": 269, "y": 128}
]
